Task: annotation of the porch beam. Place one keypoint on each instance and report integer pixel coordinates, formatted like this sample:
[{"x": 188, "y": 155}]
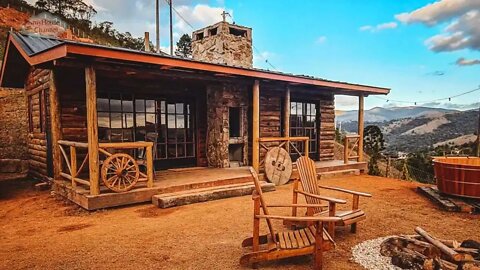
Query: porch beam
[
  {"x": 55, "y": 125},
  {"x": 256, "y": 126},
  {"x": 361, "y": 104},
  {"x": 92, "y": 129}
]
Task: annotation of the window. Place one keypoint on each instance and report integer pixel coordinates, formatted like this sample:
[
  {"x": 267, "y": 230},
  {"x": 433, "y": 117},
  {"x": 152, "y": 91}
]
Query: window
[
  {"x": 238, "y": 32},
  {"x": 169, "y": 124},
  {"x": 115, "y": 119},
  {"x": 303, "y": 123},
  {"x": 213, "y": 31},
  {"x": 199, "y": 36},
  {"x": 234, "y": 120}
]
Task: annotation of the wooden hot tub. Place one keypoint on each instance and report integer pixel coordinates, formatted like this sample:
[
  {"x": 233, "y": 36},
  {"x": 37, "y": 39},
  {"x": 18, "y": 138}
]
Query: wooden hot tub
[{"x": 458, "y": 176}]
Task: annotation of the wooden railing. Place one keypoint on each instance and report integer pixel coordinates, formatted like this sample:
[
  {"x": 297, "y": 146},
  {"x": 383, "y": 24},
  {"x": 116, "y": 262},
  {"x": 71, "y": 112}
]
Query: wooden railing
[
  {"x": 285, "y": 142},
  {"x": 77, "y": 175},
  {"x": 351, "y": 146}
]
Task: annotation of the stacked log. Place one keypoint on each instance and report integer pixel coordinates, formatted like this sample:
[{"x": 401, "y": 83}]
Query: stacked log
[{"x": 424, "y": 251}]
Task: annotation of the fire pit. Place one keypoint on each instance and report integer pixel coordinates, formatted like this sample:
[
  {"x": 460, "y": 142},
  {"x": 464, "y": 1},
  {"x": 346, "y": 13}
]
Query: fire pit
[
  {"x": 424, "y": 251},
  {"x": 458, "y": 176}
]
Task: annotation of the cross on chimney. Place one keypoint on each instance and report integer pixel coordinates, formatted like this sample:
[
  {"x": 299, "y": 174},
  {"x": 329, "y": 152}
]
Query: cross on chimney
[{"x": 224, "y": 15}]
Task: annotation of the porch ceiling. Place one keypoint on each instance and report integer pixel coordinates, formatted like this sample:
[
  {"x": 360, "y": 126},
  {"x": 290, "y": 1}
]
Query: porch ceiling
[{"x": 45, "y": 52}]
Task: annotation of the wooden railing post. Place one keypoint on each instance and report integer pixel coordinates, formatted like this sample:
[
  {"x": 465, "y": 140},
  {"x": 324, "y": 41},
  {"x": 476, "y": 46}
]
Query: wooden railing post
[
  {"x": 256, "y": 126},
  {"x": 73, "y": 164},
  {"x": 92, "y": 130},
  {"x": 345, "y": 150},
  {"x": 307, "y": 142},
  {"x": 150, "y": 165},
  {"x": 360, "y": 126}
]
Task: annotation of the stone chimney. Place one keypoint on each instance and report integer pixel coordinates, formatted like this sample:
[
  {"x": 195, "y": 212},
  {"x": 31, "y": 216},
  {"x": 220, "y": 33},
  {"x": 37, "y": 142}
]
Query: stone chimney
[{"x": 223, "y": 43}]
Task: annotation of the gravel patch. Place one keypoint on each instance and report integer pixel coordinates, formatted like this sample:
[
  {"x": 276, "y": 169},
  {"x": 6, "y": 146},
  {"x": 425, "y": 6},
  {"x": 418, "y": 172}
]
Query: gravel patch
[{"x": 367, "y": 254}]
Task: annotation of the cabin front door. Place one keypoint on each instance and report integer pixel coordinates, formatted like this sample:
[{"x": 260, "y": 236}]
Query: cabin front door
[
  {"x": 176, "y": 133},
  {"x": 304, "y": 123}
]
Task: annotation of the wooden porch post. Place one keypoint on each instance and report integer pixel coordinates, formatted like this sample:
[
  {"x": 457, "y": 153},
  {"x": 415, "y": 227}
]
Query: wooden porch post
[
  {"x": 286, "y": 114},
  {"x": 55, "y": 124},
  {"x": 360, "y": 126},
  {"x": 92, "y": 129},
  {"x": 256, "y": 126}
]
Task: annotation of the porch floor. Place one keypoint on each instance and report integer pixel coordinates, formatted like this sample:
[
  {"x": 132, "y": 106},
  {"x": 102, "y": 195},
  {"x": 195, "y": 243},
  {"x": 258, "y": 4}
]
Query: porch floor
[{"x": 175, "y": 180}]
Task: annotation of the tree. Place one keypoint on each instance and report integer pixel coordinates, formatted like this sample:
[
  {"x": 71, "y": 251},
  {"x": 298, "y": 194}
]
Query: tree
[
  {"x": 373, "y": 144},
  {"x": 184, "y": 46}
]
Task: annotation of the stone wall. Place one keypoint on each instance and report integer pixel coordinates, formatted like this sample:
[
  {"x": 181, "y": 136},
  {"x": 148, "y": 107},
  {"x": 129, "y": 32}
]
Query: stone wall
[
  {"x": 220, "y": 97},
  {"x": 13, "y": 124},
  {"x": 222, "y": 47}
]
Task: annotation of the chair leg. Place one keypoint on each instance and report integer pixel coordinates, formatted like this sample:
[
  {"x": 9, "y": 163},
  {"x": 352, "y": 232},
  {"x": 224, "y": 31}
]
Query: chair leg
[
  {"x": 353, "y": 228},
  {"x": 318, "y": 253}
]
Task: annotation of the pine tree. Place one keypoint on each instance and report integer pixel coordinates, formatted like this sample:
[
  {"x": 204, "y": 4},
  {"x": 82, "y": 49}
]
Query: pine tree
[{"x": 184, "y": 46}]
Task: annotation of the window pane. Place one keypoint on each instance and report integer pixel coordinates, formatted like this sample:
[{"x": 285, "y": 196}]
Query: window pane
[
  {"x": 180, "y": 150},
  {"x": 179, "y": 108},
  {"x": 171, "y": 108},
  {"x": 180, "y": 121},
  {"x": 171, "y": 121},
  {"x": 140, "y": 118},
  {"x": 150, "y": 106},
  {"x": 128, "y": 135},
  {"x": 103, "y": 120},
  {"x": 171, "y": 150},
  {"x": 115, "y": 105},
  {"x": 127, "y": 106},
  {"x": 115, "y": 135},
  {"x": 140, "y": 105},
  {"x": 162, "y": 106},
  {"x": 128, "y": 120},
  {"x": 102, "y": 104},
  {"x": 190, "y": 150},
  {"x": 116, "y": 120}
]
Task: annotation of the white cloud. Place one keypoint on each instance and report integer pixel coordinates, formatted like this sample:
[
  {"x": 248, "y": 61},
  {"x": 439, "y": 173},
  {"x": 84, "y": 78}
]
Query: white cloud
[
  {"x": 439, "y": 11},
  {"x": 379, "y": 27},
  {"x": 346, "y": 102},
  {"x": 463, "y": 31},
  {"x": 321, "y": 40},
  {"x": 467, "y": 62},
  {"x": 198, "y": 16}
]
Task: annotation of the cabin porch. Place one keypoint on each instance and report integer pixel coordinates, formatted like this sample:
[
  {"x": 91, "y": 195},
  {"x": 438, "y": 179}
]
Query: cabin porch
[{"x": 177, "y": 180}]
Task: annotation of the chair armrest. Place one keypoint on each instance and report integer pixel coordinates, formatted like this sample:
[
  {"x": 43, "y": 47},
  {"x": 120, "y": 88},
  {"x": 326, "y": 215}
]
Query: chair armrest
[
  {"x": 329, "y": 199},
  {"x": 363, "y": 194},
  {"x": 299, "y": 205},
  {"x": 304, "y": 219}
]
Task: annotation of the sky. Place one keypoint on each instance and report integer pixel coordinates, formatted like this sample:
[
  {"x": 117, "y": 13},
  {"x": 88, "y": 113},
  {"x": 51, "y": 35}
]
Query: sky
[{"x": 422, "y": 49}]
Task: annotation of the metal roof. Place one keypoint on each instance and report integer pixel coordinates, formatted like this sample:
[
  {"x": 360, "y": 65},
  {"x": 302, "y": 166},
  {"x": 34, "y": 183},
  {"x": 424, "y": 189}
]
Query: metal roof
[{"x": 33, "y": 44}]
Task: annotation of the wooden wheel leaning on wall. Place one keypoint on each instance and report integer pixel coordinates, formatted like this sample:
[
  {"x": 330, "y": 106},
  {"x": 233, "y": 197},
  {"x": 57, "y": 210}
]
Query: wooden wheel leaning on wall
[{"x": 120, "y": 172}]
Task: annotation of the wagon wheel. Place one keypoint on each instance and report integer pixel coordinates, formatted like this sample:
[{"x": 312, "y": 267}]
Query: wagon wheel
[{"x": 120, "y": 172}]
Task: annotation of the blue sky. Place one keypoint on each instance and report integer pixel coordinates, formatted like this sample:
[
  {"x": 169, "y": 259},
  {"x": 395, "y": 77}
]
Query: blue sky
[{"x": 411, "y": 46}]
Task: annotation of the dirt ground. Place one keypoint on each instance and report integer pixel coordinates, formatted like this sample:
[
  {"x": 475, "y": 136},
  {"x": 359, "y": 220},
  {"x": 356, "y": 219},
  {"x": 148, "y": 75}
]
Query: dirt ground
[{"x": 40, "y": 231}]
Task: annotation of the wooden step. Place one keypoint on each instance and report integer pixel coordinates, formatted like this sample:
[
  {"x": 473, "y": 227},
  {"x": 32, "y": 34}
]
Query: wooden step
[
  {"x": 340, "y": 173},
  {"x": 207, "y": 194}
]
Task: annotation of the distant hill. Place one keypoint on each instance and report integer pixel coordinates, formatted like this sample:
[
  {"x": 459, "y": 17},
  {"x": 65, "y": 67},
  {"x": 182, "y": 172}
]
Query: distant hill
[
  {"x": 429, "y": 128},
  {"x": 379, "y": 114}
]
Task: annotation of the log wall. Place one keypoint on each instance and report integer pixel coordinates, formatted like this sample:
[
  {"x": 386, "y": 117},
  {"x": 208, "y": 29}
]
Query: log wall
[{"x": 36, "y": 88}]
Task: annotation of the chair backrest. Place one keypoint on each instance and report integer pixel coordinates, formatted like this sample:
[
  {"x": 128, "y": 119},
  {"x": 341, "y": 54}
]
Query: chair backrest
[
  {"x": 258, "y": 190},
  {"x": 308, "y": 178}
]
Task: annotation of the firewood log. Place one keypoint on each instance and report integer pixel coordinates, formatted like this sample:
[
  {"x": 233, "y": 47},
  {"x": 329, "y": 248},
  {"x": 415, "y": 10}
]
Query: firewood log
[{"x": 450, "y": 253}]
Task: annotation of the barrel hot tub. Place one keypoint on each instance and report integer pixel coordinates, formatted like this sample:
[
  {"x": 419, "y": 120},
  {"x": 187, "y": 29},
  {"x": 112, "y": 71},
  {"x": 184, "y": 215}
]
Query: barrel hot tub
[{"x": 458, "y": 176}]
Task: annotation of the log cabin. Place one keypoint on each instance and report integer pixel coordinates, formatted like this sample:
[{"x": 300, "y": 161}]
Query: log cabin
[{"x": 171, "y": 116}]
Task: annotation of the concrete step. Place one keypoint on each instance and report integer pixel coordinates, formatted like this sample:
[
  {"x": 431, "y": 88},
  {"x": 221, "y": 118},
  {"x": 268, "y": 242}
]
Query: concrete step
[
  {"x": 207, "y": 194},
  {"x": 336, "y": 174}
]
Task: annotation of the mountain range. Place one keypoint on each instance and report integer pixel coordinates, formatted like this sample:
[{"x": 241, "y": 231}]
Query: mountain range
[{"x": 409, "y": 129}]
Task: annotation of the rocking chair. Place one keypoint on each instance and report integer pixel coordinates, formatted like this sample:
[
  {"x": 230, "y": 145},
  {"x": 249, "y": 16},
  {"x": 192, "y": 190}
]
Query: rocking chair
[{"x": 311, "y": 240}]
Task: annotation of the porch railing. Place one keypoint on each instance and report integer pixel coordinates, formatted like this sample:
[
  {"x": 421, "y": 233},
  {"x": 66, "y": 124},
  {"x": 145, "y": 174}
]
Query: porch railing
[
  {"x": 351, "y": 148},
  {"x": 283, "y": 142},
  {"x": 78, "y": 175}
]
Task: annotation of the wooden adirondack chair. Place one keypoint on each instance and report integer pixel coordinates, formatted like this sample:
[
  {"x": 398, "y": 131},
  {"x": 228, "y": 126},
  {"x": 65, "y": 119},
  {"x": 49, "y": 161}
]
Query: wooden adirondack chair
[
  {"x": 311, "y": 191},
  {"x": 310, "y": 240}
]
